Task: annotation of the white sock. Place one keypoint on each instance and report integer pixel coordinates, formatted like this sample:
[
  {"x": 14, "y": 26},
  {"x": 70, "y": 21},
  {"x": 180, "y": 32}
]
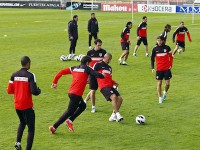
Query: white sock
[
  {"x": 93, "y": 107},
  {"x": 164, "y": 92}
]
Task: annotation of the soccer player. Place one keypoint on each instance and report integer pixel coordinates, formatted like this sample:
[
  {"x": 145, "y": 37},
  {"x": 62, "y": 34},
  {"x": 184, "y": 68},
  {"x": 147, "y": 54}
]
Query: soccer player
[
  {"x": 96, "y": 54},
  {"x": 73, "y": 35},
  {"x": 76, "y": 104},
  {"x": 180, "y": 38},
  {"x": 106, "y": 87},
  {"x": 23, "y": 84},
  {"x": 125, "y": 42},
  {"x": 93, "y": 29},
  {"x": 164, "y": 61},
  {"x": 142, "y": 36},
  {"x": 166, "y": 30}
]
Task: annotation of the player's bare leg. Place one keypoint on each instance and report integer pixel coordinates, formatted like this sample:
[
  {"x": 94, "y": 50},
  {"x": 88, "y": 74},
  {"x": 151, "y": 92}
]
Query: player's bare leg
[
  {"x": 135, "y": 50},
  {"x": 176, "y": 48},
  {"x": 116, "y": 103},
  {"x": 124, "y": 55},
  {"x": 93, "y": 97},
  {"x": 146, "y": 48},
  {"x": 159, "y": 88},
  {"x": 167, "y": 85}
]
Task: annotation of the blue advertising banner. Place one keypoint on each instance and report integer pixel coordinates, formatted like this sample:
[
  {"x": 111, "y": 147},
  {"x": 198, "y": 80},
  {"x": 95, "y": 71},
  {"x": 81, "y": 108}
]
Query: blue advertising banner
[{"x": 188, "y": 9}]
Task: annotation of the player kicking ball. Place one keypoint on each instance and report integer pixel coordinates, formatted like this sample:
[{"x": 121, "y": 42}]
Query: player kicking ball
[{"x": 106, "y": 87}]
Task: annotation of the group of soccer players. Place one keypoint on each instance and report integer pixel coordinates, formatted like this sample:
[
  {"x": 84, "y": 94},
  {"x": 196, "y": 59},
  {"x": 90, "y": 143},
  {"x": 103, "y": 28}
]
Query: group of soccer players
[{"x": 94, "y": 66}]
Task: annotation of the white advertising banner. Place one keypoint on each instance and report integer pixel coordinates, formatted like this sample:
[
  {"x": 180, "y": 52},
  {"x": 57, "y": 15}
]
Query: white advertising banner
[{"x": 157, "y": 8}]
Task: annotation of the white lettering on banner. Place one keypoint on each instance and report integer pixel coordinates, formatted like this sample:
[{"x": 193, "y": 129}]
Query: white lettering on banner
[
  {"x": 42, "y": 5},
  {"x": 157, "y": 8},
  {"x": 114, "y": 8},
  {"x": 90, "y": 6},
  {"x": 10, "y": 4}
]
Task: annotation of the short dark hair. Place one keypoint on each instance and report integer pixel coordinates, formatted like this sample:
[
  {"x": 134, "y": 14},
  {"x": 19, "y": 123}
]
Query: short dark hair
[
  {"x": 75, "y": 16},
  {"x": 92, "y": 14},
  {"x": 144, "y": 17},
  {"x": 128, "y": 23},
  {"x": 167, "y": 26},
  {"x": 25, "y": 60},
  {"x": 97, "y": 41},
  {"x": 161, "y": 37},
  {"x": 86, "y": 59}
]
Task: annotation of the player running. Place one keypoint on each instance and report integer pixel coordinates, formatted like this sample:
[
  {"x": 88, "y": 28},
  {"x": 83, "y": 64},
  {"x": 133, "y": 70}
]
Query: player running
[
  {"x": 180, "y": 38},
  {"x": 142, "y": 36},
  {"x": 166, "y": 30},
  {"x": 164, "y": 61},
  {"x": 125, "y": 42},
  {"x": 76, "y": 104}
]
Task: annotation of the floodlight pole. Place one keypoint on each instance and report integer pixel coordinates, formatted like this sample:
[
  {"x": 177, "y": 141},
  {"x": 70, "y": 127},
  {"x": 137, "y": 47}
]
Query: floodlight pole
[
  {"x": 92, "y": 6},
  {"x": 132, "y": 10},
  {"x": 193, "y": 14},
  {"x": 71, "y": 8}
]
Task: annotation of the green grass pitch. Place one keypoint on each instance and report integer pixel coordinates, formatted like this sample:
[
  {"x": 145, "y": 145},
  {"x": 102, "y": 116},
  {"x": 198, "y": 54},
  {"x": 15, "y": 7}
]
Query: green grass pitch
[{"x": 42, "y": 35}]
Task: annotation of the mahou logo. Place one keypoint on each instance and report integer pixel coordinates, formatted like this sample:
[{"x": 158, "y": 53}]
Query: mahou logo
[{"x": 108, "y": 7}]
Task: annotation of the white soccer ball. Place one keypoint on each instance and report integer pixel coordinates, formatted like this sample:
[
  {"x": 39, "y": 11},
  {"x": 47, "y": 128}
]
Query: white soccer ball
[
  {"x": 63, "y": 58},
  {"x": 140, "y": 119}
]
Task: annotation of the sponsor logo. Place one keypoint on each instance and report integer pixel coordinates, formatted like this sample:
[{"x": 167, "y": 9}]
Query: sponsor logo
[
  {"x": 156, "y": 8},
  {"x": 79, "y": 70},
  {"x": 106, "y": 71},
  {"x": 161, "y": 54},
  {"x": 188, "y": 9},
  {"x": 25, "y": 79},
  {"x": 10, "y": 4},
  {"x": 159, "y": 8},
  {"x": 119, "y": 7},
  {"x": 114, "y": 8}
]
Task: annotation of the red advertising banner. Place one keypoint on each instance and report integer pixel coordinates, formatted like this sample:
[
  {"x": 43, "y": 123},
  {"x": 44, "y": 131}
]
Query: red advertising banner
[{"x": 119, "y": 7}]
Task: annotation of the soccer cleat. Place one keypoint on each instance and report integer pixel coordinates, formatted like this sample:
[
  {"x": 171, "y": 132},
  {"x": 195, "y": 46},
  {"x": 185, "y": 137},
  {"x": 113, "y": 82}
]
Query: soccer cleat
[
  {"x": 69, "y": 125},
  {"x": 119, "y": 118},
  {"x": 124, "y": 63},
  {"x": 93, "y": 110},
  {"x": 90, "y": 47},
  {"x": 134, "y": 54},
  {"x": 147, "y": 55},
  {"x": 113, "y": 117},
  {"x": 160, "y": 100},
  {"x": 18, "y": 146},
  {"x": 120, "y": 61},
  {"x": 52, "y": 129}
]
